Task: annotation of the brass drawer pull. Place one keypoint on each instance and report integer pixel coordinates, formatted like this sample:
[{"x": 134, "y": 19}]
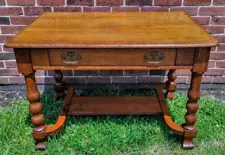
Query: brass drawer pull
[
  {"x": 154, "y": 57},
  {"x": 71, "y": 58}
]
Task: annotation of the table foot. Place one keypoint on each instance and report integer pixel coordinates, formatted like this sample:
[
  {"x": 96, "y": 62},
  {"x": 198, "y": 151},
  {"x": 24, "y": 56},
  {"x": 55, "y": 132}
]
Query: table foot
[
  {"x": 39, "y": 135},
  {"x": 189, "y": 134},
  {"x": 188, "y": 144},
  {"x": 41, "y": 146}
]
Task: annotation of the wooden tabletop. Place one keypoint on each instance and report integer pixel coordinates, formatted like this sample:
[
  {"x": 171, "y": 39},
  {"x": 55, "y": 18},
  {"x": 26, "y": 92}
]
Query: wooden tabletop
[{"x": 113, "y": 30}]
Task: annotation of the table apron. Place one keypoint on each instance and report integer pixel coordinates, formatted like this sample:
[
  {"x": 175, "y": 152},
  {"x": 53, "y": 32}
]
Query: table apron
[{"x": 112, "y": 59}]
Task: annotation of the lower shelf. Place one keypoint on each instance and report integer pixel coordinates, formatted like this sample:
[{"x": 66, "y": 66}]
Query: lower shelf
[{"x": 114, "y": 105}]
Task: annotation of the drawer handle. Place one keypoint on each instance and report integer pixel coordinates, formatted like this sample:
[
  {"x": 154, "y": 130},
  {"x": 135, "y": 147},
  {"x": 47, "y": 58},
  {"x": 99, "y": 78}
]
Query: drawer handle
[
  {"x": 154, "y": 57},
  {"x": 71, "y": 58}
]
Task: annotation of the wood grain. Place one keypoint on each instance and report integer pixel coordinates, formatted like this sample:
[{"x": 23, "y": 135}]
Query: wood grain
[
  {"x": 110, "y": 67},
  {"x": 37, "y": 118},
  {"x": 178, "y": 129},
  {"x": 192, "y": 106},
  {"x": 23, "y": 60},
  {"x": 113, "y": 30},
  {"x": 181, "y": 42},
  {"x": 113, "y": 57},
  {"x": 185, "y": 56},
  {"x": 201, "y": 60},
  {"x": 40, "y": 57},
  {"x": 52, "y": 129},
  {"x": 114, "y": 105}
]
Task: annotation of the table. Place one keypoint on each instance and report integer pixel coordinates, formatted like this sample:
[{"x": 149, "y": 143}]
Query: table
[{"x": 113, "y": 41}]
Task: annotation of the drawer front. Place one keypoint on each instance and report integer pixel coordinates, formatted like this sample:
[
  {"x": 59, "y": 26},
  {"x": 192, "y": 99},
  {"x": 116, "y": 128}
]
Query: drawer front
[{"x": 112, "y": 57}]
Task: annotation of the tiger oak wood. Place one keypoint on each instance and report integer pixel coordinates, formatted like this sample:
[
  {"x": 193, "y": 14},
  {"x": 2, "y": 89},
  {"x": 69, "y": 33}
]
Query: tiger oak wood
[
  {"x": 114, "y": 105},
  {"x": 108, "y": 30},
  {"x": 113, "y": 41},
  {"x": 113, "y": 57}
]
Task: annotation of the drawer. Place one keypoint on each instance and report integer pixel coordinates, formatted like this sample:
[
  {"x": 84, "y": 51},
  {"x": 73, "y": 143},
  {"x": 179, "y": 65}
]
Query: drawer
[{"x": 112, "y": 57}]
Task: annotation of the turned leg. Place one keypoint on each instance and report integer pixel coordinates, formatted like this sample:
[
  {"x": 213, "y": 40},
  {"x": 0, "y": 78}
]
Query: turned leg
[
  {"x": 192, "y": 107},
  {"x": 33, "y": 96},
  {"x": 171, "y": 85},
  {"x": 59, "y": 84}
]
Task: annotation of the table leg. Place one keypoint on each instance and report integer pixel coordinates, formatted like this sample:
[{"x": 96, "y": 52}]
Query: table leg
[
  {"x": 171, "y": 84},
  {"x": 33, "y": 96},
  {"x": 59, "y": 84},
  {"x": 192, "y": 107}
]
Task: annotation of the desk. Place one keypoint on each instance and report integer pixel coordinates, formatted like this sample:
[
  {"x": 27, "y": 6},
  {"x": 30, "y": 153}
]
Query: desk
[{"x": 113, "y": 41}]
